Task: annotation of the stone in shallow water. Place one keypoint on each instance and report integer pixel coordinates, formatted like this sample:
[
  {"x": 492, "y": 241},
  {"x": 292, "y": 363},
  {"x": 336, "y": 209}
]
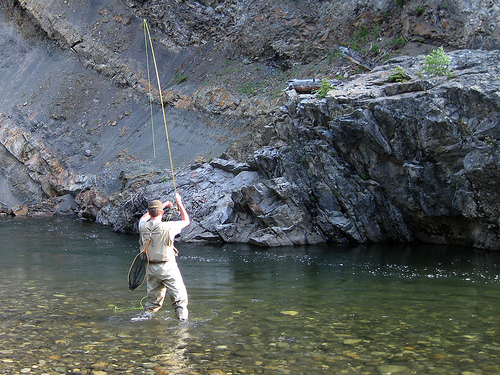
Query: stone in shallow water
[
  {"x": 216, "y": 372},
  {"x": 392, "y": 369},
  {"x": 290, "y": 312},
  {"x": 351, "y": 341}
]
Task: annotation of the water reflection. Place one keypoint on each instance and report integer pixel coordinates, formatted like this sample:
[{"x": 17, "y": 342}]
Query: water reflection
[{"x": 66, "y": 307}]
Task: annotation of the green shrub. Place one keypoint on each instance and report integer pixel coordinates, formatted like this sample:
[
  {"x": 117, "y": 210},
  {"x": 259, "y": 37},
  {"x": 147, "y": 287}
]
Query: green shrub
[
  {"x": 179, "y": 78},
  {"x": 399, "y": 75},
  {"x": 361, "y": 32},
  {"x": 249, "y": 88},
  {"x": 376, "y": 31},
  {"x": 437, "y": 62},
  {"x": 375, "y": 49},
  {"x": 399, "y": 42},
  {"x": 400, "y": 3},
  {"x": 324, "y": 87},
  {"x": 335, "y": 55}
]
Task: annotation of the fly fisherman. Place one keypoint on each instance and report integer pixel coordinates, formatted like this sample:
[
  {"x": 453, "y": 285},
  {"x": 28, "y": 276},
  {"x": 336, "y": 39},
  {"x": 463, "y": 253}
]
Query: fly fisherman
[{"x": 163, "y": 274}]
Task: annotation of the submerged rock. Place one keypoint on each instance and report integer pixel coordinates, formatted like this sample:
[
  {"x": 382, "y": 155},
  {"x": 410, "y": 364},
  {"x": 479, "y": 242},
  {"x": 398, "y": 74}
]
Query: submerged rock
[{"x": 392, "y": 369}]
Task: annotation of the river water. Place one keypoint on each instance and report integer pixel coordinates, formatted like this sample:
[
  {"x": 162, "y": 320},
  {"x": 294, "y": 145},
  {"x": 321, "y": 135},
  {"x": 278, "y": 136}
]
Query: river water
[{"x": 66, "y": 308}]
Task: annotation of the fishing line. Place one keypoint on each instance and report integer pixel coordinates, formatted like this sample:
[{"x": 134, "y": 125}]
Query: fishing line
[
  {"x": 148, "y": 41},
  {"x": 148, "y": 38},
  {"x": 150, "y": 92},
  {"x": 121, "y": 309}
]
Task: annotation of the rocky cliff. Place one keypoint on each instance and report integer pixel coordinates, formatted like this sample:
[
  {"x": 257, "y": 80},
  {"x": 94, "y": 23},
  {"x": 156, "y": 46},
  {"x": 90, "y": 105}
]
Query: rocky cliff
[
  {"x": 377, "y": 159},
  {"x": 374, "y": 161}
]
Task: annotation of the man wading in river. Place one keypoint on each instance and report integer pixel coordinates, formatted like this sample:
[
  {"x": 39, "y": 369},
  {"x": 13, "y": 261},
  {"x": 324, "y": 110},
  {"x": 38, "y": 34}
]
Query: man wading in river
[{"x": 163, "y": 274}]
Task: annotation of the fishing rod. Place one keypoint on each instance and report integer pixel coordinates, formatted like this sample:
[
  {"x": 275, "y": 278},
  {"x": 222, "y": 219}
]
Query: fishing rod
[
  {"x": 148, "y": 40},
  {"x": 139, "y": 268}
]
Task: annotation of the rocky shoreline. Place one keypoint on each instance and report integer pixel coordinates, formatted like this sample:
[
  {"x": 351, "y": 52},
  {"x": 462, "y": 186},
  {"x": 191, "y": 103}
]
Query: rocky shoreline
[{"x": 375, "y": 161}]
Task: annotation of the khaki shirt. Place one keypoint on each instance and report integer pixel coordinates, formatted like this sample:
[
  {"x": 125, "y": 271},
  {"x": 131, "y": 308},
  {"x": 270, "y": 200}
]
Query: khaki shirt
[{"x": 162, "y": 234}]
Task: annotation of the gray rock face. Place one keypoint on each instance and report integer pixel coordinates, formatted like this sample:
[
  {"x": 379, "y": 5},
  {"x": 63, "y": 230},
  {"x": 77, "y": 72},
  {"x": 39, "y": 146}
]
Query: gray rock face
[
  {"x": 284, "y": 32},
  {"x": 412, "y": 160},
  {"x": 373, "y": 162},
  {"x": 28, "y": 165}
]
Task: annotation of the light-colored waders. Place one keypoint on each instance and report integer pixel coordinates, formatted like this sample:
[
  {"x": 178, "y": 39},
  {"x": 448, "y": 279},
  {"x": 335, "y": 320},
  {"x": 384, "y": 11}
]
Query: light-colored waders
[{"x": 166, "y": 277}]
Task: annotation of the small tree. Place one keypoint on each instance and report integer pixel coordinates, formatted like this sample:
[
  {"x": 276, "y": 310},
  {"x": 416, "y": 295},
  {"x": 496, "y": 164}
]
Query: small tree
[
  {"x": 437, "y": 62},
  {"x": 399, "y": 75},
  {"x": 324, "y": 86}
]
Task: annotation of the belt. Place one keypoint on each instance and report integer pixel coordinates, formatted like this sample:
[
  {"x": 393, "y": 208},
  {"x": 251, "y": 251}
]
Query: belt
[{"x": 162, "y": 261}]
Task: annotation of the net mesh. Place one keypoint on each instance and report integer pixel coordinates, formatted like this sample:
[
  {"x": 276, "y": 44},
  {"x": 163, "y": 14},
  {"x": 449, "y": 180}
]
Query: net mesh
[{"x": 138, "y": 271}]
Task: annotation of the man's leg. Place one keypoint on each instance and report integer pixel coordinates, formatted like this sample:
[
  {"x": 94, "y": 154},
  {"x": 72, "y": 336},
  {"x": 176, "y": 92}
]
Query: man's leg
[
  {"x": 177, "y": 290},
  {"x": 155, "y": 288}
]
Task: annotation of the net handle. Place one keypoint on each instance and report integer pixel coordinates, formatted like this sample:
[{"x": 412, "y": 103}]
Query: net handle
[{"x": 146, "y": 247}]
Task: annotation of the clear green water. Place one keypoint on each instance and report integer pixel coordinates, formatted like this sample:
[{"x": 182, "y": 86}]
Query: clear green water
[{"x": 65, "y": 308}]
